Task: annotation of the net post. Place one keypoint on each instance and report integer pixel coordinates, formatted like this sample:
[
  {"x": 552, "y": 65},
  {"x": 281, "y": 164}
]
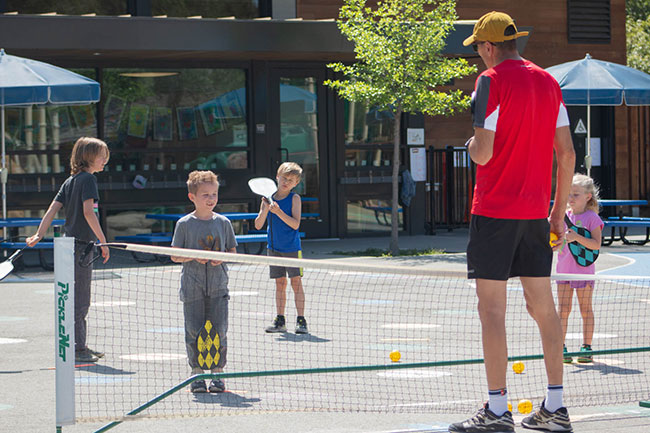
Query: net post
[{"x": 64, "y": 330}]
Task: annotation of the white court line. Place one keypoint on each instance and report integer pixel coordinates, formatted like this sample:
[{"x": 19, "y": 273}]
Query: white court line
[
  {"x": 154, "y": 357},
  {"x": 12, "y": 340},
  {"x": 414, "y": 374},
  {"x": 578, "y": 336},
  {"x": 630, "y": 260},
  {"x": 410, "y": 326},
  {"x": 113, "y": 303}
]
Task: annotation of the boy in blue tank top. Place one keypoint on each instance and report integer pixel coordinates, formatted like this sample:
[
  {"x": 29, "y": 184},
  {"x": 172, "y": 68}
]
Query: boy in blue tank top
[{"x": 284, "y": 241}]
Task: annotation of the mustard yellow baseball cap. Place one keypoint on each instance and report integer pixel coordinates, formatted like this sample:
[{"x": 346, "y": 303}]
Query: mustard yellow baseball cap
[{"x": 492, "y": 27}]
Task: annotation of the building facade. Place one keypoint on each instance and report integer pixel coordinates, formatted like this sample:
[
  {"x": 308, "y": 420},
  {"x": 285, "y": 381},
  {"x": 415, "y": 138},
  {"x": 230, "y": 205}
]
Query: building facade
[{"x": 237, "y": 88}]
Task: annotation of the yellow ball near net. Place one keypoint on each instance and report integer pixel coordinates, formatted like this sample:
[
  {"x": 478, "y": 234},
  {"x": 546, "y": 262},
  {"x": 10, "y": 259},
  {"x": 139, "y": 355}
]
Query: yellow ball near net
[
  {"x": 518, "y": 367},
  {"x": 553, "y": 239},
  {"x": 525, "y": 406},
  {"x": 395, "y": 356}
]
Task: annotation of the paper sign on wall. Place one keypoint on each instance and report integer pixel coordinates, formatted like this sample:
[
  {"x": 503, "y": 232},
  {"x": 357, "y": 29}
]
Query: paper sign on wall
[{"x": 418, "y": 164}]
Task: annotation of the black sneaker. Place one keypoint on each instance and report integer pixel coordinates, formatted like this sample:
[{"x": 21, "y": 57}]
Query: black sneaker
[
  {"x": 85, "y": 356},
  {"x": 301, "y": 326},
  {"x": 217, "y": 385},
  {"x": 485, "y": 421},
  {"x": 279, "y": 325},
  {"x": 557, "y": 421},
  {"x": 198, "y": 387}
]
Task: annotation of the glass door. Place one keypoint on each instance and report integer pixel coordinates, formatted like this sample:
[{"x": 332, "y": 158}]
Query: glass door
[{"x": 297, "y": 126}]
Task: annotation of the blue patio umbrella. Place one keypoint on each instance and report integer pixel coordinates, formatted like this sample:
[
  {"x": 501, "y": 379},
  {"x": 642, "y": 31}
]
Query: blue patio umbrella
[
  {"x": 25, "y": 82},
  {"x": 596, "y": 82}
]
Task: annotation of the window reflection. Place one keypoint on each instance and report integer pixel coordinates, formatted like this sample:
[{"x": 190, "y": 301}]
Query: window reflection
[
  {"x": 370, "y": 216},
  {"x": 189, "y": 119}
]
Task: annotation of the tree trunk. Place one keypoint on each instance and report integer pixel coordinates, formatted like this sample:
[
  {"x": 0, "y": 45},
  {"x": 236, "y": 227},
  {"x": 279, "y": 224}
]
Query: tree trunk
[{"x": 394, "y": 215}]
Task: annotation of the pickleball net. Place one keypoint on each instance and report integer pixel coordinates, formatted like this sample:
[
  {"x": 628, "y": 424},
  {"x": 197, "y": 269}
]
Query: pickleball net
[{"x": 357, "y": 315}]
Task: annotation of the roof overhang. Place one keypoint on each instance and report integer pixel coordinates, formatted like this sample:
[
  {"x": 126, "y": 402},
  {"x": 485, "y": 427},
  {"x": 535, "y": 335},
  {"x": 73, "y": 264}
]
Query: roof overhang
[{"x": 97, "y": 40}]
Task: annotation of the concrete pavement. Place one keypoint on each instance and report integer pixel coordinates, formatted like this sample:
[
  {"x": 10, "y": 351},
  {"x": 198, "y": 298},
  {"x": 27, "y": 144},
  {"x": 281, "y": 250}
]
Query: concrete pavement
[{"x": 27, "y": 378}]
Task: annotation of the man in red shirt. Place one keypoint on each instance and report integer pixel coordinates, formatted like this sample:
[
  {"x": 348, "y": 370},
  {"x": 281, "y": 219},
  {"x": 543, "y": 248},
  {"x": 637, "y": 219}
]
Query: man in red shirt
[{"x": 519, "y": 120}]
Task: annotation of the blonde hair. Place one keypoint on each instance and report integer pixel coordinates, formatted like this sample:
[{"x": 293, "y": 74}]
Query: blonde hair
[
  {"x": 590, "y": 187},
  {"x": 291, "y": 169},
  {"x": 197, "y": 178},
  {"x": 85, "y": 151}
]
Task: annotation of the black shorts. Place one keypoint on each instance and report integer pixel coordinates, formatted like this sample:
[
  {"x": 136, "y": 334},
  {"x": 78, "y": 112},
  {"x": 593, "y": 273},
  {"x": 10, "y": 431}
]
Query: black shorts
[
  {"x": 284, "y": 271},
  {"x": 502, "y": 248}
]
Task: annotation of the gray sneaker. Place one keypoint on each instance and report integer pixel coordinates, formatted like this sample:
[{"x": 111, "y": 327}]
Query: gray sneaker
[
  {"x": 97, "y": 353},
  {"x": 557, "y": 421},
  {"x": 485, "y": 421},
  {"x": 301, "y": 326},
  {"x": 85, "y": 356},
  {"x": 278, "y": 325}
]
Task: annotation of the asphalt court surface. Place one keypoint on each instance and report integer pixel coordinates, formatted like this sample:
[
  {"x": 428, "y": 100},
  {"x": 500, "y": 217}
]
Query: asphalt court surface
[{"x": 352, "y": 325}]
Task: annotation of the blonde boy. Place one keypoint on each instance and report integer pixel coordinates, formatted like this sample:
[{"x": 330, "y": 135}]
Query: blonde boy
[{"x": 284, "y": 241}]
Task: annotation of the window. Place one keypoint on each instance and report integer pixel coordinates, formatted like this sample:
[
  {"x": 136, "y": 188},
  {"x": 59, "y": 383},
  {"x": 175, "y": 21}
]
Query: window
[
  {"x": 67, "y": 7},
  {"x": 169, "y": 120},
  {"x": 241, "y": 9},
  {"x": 368, "y": 137},
  {"x": 589, "y": 21}
]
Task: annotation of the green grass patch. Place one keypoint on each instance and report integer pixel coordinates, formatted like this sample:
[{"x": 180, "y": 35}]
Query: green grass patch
[{"x": 378, "y": 252}]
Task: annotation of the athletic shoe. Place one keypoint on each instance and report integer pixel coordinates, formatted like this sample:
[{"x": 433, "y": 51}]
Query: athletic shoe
[
  {"x": 585, "y": 354},
  {"x": 279, "y": 325},
  {"x": 567, "y": 359},
  {"x": 217, "y": 385},
  {"x": 301, "y": 326},
  {"x": 96, "y": 353},
  {"x": 198, "y": 387},
  {"x": 557, "y": 421},
  {"x": 485, "y": 421},
  {"x": 85, "y": 356}
]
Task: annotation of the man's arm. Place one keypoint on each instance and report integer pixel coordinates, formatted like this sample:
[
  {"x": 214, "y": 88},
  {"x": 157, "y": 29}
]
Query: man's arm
[
  {"x": 481, "y": 146},
  {"x": 566, "y": 161}
]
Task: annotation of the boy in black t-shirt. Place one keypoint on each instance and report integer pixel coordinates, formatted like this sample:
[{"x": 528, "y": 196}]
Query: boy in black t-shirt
[{"x": 79, "y": 196}]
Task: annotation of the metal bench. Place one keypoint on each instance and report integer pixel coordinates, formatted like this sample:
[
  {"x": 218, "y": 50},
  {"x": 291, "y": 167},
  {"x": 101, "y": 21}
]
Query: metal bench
[
  {"x": 42, "y": 246},
  {"x": 623, "y": 224}
]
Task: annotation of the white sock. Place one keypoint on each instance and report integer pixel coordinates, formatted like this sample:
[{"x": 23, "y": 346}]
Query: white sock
[
  {"x": 498, "y": 401},
  {"x": 554, "y": 398}
]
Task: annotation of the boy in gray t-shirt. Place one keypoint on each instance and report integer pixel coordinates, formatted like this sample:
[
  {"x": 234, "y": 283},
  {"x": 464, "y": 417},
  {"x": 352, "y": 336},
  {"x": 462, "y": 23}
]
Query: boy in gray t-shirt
[{"x": 204, "y": 283}]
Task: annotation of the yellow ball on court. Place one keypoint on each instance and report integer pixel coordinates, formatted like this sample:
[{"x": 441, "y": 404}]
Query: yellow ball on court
[
  {"x": 395, "y": 356},
  {"x": 553, "y": 239},
  {"x": 510, "y": 406},
  {"x": 518, "y": 367},
  {"x": 525, "y": 406}
]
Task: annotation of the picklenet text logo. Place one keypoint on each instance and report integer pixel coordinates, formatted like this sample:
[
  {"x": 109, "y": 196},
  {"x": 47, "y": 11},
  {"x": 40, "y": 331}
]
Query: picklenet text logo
[{"x": 64, "y": 337}]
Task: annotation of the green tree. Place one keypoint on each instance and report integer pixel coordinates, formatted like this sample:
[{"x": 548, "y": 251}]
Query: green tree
[
  {"x": 638, "y": 34},
  {"x": 400, "y": 67}
]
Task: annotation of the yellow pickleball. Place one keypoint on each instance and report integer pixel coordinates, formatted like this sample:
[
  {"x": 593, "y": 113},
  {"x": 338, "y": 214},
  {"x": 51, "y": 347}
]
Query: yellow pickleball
[
  {"x": 518, "y": 367},
  {"x": 525, "y": 406},
  {"x": 553, "y": 239},
  {"x": 510, "y": 406},
  {"x": 395, "y": 356}
]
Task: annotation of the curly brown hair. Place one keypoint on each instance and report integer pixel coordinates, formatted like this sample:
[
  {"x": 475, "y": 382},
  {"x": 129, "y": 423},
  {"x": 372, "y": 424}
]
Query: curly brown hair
[{"x": 85, "y": 151}]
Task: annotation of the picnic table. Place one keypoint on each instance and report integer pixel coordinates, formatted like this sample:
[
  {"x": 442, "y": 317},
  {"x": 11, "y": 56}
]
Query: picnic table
[
  {"x": 624, "y": 223},
  {"x": 248, "y": 237}
]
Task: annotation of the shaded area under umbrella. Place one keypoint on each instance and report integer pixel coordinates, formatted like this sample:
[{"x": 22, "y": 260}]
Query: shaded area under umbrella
[
  {"x": 26, "y": 82},
  {"x": 596, "y": 82}
]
